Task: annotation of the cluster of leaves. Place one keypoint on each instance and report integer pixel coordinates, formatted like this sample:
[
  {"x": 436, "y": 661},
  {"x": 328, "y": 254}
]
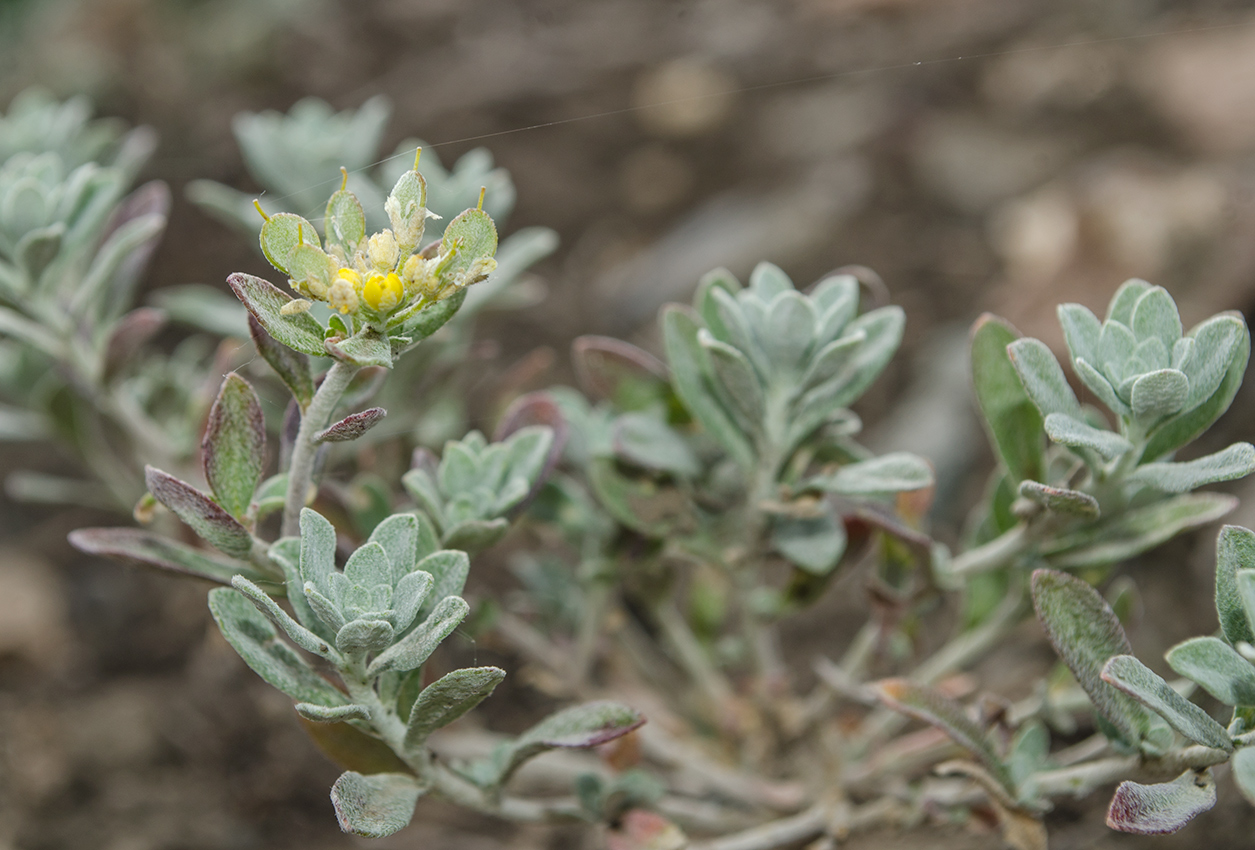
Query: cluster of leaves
[
  {"x": 699, "y": 498},
  {"x": 73, "y": 245}
]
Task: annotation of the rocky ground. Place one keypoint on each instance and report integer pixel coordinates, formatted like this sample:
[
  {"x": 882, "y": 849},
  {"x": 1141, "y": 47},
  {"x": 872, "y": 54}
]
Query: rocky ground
[{"x": 1073, "y": 145}]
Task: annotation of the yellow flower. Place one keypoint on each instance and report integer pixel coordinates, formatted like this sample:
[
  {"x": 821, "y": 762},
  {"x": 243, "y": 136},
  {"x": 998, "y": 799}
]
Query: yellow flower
[{"x": 383, "y": 292}]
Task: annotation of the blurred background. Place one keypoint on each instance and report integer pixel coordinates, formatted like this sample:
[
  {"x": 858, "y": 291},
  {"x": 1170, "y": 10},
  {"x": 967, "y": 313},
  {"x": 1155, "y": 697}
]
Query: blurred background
[{"x": 999, "y": 155}]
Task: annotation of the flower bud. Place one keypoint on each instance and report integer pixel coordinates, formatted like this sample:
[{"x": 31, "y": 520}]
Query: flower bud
[
  {"x": 382, "y": 251},
  {"x": 343, "y": 295}
]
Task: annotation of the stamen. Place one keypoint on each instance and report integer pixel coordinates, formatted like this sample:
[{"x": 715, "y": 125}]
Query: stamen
[{"x": 257, "y": 204}]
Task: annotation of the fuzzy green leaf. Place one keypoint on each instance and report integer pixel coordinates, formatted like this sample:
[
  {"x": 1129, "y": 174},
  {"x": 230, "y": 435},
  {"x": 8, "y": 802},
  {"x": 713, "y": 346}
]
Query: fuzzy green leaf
[
  {"x": 1237, "y": 461},
  {"x": 144, "y": 547},
  {"x": 1011, "y": 419},
  {"x": 300, "y": 635},
  {"x": 255, "y": 639},
  {"x": 1159, "y": 393},
  {"x": 1134, "y": 531},
  {"x": 473, "y": 235},
  {"x": 1086, "y": 633},
  {"x": 1243, "y": 763},
  {"x": 264, "y": 301},
  {"x": 365, "y": 348},
  {"x": 733, "y": 373},
  {"x": 686, "y": 360},
  {"x": 280, "y": 236},
  {"x": 352, "y": 426},
  {"x": 1042, "y": 378},
  {"x": 815, "y": 544},
  {"x": 375, "y": 806},
  {"x": 414, "y": 649},
  {"x": 578, "y": 727},
  {"x": 345, "y": 222},
  {"x": 1155, "y": 315},
  {"x": 1081, "y": 331},
  {"x": 448, "y": 569},
  {"x": 447, "y": 699},
  {"x": 1217, "y": 667},
  {"x": 647, "y": 441},
  {"x": 291, "y": 366},
  {"x": 1072, "y": 432},
  {"x": 208, "y": 519},
  {"x": 891, "y": 473},
  {"x": 233, "y": 450},
  {"x": 1224, "y": 346},
  {"x": 475, "y": 535},
  {"x": 1061, "y": 500},
  {"x": 398, "y": 536},
  {"x": 1144, "y": 685},
  {"x": 1235, "y": 550},
  {"x": 1162, "y": 808},
  {"x": 339, "y": 714}
]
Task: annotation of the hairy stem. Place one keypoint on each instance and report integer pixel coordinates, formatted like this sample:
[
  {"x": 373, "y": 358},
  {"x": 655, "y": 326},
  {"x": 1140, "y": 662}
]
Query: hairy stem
[
  {"x": 999, "y": 552},
  {"x": 315, "y": 418}
]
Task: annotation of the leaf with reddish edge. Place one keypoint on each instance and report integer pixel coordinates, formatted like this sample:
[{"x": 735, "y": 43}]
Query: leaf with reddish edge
[
  {"x": 932, "y": 707},
  {"x": 233, "y": 450},
  {"x": 144, "y": 547},
  {"x": 265, "y": 301},
  {"x": 1086, "y": 633},
  {"x": 606, "y": 367},
  {"x": 208, "y": 519},
  {"x": 578, "y": 727},
  {"x": 291, "y": 366},
  {"x": 375, "y": 806},
  {"x": 1162, "y": 808},
  {"x": 351, "y": 427}
]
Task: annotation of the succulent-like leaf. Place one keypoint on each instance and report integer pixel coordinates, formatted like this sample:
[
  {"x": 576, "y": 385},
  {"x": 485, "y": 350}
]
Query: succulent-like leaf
[
  {"x": 1012, "y": 421},
  {"x": 375, "y": 806},
  {"x": 352, "y": 426},
  {"x": 1086, "y": 633},
  {"x": 1237, "y": 461},
  {"x": 1217, "y": 667},
  {"x": 1162, "y": 808},
  {"x": 447, "y": 699},
  {"x": 254, "y": 638},
  {"x": 1147, "y": 687},
  {"x": 1042, "y": 378},
  {"x": 1235, "y": 550},
  {"x": 233, "y": 450},
  {"x": 1072, "y": 432},
  {"x": 209, "y": 520},
  {"x": 264, "y": 301}
]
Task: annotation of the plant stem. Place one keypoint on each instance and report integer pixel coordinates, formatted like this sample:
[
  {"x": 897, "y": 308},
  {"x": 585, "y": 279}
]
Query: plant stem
[
  {"x": 998, "y": 552},
  {"x": 315, "y": 418},
  {"x": 692, "y": 656},
  {"x": 1079, "y": 780}
]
